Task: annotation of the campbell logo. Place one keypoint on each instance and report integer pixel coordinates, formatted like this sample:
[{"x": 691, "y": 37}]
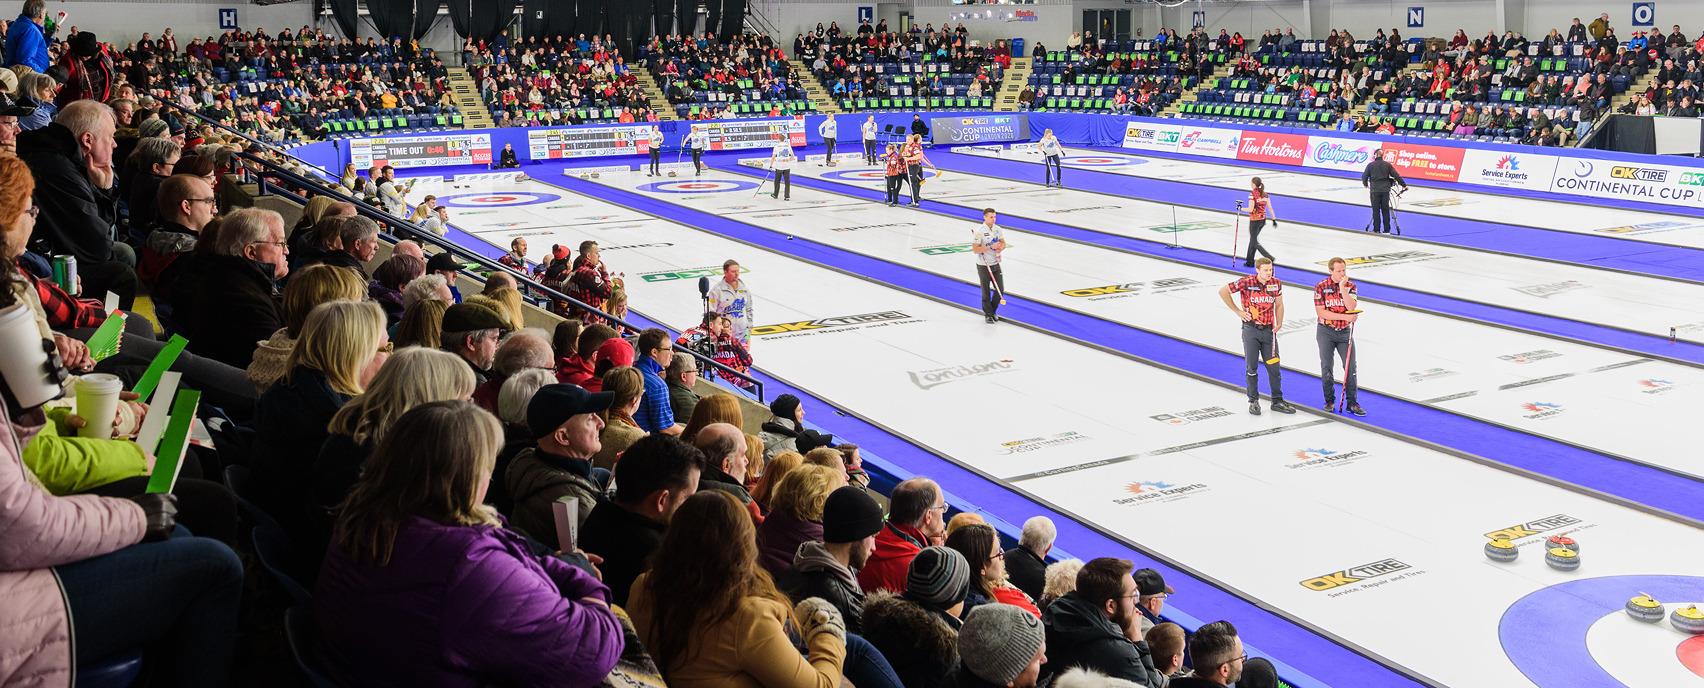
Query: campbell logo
[
  {"x": 1355, "y": 574},
  {"x": 1332, "y": 152},
  {"x": 837, "y": 322}
]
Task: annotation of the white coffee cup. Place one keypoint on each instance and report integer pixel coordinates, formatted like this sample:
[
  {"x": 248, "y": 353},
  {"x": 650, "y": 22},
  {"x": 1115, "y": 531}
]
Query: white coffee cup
[
  {"x": 23, "y": 359},
  {"x": 97, "y": 403}
]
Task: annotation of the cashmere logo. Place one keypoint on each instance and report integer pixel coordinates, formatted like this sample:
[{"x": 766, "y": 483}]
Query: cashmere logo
[
  {"x": 1338, "y": 153},
  {"x": 935, "y": 377}
]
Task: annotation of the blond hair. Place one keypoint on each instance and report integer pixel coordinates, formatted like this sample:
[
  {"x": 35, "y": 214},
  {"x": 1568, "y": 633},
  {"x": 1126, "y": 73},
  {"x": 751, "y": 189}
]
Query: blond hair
[
  {"x": 773, "y": 471},
  {"x": 339, "y": 339},
  {"x": 510, "y": 306},
  {"x": 964, "y": 518},
  {"x": 627, "y": 384},
  {"x": 314, "y": 285},
  {"x": 411, "y": 377},
  {"x": 803, "y": 492}
]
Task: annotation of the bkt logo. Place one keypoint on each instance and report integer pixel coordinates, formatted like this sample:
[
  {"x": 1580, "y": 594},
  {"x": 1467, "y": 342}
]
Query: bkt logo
[
  {"x": 1643, "y": 174},
  {"x": 1355, "y": 574},
  {"x": 1531, "y": 528},
  {"x": 1509, "y": 162},
  {"x": 1692, "y": 179}
]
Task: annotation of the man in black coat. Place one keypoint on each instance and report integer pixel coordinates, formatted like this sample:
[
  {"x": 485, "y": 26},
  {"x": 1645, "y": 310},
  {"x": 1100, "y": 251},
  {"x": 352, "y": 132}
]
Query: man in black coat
[
  {"x": 1026, "y": 564},
  {"x": 1218, "y": 655},
  {"x": 653, "y": 478},
  {"x": 829, "y": 569},
  {"x": 227, "y": 302},
  {"x": 72, "y": 162},
  {"x": 1091, "y": 627},
  {"x": 1379, "y": 176}
]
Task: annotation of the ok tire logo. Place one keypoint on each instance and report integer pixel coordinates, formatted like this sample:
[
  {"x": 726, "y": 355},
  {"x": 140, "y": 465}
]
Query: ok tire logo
[{"x": 1354, "y": 574}]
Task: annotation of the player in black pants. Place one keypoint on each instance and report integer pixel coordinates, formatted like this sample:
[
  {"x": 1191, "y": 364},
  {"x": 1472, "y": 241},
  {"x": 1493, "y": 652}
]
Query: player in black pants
[
  {"x": 1379, "y": 176},
  {"x": 1262, "y": 315},
  {"x": 656, "y": 151},
  {"x": 895, "y": 173}
]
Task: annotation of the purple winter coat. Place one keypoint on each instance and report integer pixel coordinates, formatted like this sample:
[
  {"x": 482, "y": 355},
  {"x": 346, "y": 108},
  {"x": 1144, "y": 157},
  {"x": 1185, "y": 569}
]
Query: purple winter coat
[
  {"x": 779, "y": 537},
  {"x": 463, "y": 606}
]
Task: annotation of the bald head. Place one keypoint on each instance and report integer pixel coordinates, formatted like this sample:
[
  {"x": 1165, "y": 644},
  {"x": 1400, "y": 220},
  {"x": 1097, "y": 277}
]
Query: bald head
[
  {"x": 522, "y": 350},
  {"x": 723, "y": 445},
  {"x": 408, "y": 248},
  {"x": 499, "y": 280}
]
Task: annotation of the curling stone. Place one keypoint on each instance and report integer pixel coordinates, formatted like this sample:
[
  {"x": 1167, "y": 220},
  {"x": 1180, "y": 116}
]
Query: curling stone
[
  {"x": 1501, "y": 550},
  {"x": 1688, "y": 619},
  {"x": 595, "y": 175},
  {"x": 1645, "y": 608},
  {"x": 1562, "y": 558},
  {"x": 1562, "y": 541},
  {"x": 672, "y": 173}
]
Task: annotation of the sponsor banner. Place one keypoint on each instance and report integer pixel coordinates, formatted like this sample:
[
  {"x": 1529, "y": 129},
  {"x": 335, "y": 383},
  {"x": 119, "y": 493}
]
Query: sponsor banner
[
  {"x": 1213, "y": 142},
  {"x": 1387, "y": 258},
  {"x": 1158, "y": 492},
  {"x": 1508, "y": 170},
  {"x": 1154, "y": 137},
  {"x": 1413, "y": 161},
  {"x": 840, "y": 322},
  {"x": 1547, "y": 290},
  {"x": 1650, "y": 183},
  {"x": 1030, "y": 444},
  {"x": 1362, "y": 577},
  {"x": 1282, "y": 149},
  {"x": 1026, "y": 148},
  {"x": 758, "y": 134},
  {"x": 1348, "y": 155},
  {"x": 686, "y": 273},
  {"x": 601, "y": 170},
  {"x": 439, "y": 150},
  {"x": 1115, "y": 291},
  {"x": 586, "y": 142},
  {"x": 979, "y": 129},
  {"x": 935, "y": 377}
]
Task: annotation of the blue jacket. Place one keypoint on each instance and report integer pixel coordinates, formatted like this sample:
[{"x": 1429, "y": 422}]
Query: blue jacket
[{"x": 26, "y": 45}]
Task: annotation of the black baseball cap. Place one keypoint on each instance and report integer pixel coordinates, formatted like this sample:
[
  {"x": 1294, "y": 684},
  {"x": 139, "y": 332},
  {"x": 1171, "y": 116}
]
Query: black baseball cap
[
  {"x": 553, "y": 405},
  {"x": 11, "y": 108},
  {"x": 1149, "y": 582},
  {"x": 443, "y": 261}
]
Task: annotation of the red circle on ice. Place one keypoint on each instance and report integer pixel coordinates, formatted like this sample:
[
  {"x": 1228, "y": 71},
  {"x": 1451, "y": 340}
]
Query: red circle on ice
[
  {"x": 1691, "y": 654},
  {"x": 492, "y": 199}
]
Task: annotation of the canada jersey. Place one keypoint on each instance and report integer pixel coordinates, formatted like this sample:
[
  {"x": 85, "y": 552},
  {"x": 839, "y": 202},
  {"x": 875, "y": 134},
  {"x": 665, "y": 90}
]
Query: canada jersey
[
  {"x": 1258, "y": 206},
  {"x": 1327, "y": 295},
  {"x": 1260, "y": 301}
]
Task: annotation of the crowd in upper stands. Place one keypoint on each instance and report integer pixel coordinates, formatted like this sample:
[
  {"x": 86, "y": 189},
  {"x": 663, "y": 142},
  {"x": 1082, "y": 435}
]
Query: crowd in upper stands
[
  {"x": 555, "y": 80},
  {"x": 288, "y": 87},
  {"x": 705, "y": 78},
  {"x": 923, "y": 64}
]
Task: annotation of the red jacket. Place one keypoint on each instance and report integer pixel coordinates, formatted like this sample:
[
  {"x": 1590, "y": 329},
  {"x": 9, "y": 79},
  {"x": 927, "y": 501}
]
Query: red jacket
[{"x": 896, "y": 546}]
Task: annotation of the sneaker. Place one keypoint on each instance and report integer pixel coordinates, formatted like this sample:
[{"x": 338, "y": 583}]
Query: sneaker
[
  {"x": 1254, "y": 408},
  {"x": 1329, "y": 406},
  {"x": 1248, "y": 263},
  {"x": 1357, "y": 410},
  {"x": 988, "y": 319},
  {"x": 1282, "y": 406}
]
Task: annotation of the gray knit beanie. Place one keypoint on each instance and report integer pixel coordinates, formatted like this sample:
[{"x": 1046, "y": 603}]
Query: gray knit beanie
[
  {"x": 998, "y": 641},
  {"x": 938, "y": 577}
]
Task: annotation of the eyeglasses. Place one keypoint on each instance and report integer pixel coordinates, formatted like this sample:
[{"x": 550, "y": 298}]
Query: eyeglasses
[
  {"x": 208, "y": 201},
  {"x": 34, "y": 211},
  {"x": 271, "y": 243}
]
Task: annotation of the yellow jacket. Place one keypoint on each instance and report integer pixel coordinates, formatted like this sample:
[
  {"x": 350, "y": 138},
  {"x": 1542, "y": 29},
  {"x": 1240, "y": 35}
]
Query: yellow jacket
[{"x": 749, "y": 650}]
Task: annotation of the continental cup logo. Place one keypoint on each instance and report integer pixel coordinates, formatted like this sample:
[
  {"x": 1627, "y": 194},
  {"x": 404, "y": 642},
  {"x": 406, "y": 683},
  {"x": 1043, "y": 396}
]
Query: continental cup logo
[{"x": 1355, "y": 574}]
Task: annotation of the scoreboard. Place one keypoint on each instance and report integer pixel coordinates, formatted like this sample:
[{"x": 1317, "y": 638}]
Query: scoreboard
[
  {"x": 440, "y": 150},
  {"x": 587, "y": 142},
  {"x": 756, "y": 134}
]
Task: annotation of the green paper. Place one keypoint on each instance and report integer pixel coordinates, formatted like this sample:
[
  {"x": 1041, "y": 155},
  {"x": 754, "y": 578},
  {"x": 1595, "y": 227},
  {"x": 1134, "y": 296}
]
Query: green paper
[
  {"x": 162, "y": 362},
  {"x": 104, "y": 343},
  {"x": 169, "y": 459}
]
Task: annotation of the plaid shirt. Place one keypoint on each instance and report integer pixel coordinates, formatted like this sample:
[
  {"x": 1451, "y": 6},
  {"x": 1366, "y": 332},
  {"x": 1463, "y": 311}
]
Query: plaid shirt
[
  {"x": 1327, "y": 296},
  {"x": 65, "y": 312},
  {"x": 1260, "y": 300}
]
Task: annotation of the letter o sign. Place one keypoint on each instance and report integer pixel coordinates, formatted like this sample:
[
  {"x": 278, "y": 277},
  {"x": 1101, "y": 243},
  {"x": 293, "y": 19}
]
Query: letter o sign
[{"x": 1644, "y": 14}]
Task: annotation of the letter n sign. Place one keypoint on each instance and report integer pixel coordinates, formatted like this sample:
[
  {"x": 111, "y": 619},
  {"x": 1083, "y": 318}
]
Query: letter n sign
[
  {"x": 1416, "y": 17},
  {"x": 227, "y": 17},
  {"x": 1644, "y": 14}
]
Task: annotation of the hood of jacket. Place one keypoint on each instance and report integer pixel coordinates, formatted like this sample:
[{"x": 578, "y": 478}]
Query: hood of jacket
[
  {"x": 53, "y": 139},
  {"x": 781, "y": 426},
  {"x": 889, "y": 616}
]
